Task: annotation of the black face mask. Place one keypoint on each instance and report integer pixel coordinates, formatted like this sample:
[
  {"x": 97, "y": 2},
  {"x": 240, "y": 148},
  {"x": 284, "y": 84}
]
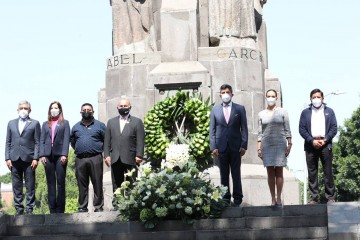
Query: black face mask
[
  {"x": 86, "y": 115},
  {"x": 123, "y": 111}
]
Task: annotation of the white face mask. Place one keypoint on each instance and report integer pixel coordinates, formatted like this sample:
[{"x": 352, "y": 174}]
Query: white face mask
[
  {"x": 23, "y": 113},
  {"x": 271, "y": 101},
  {"x": 54, "y": 112},
  {"x": 316, "y": 102},
  {"x": 226, "y": 98}
]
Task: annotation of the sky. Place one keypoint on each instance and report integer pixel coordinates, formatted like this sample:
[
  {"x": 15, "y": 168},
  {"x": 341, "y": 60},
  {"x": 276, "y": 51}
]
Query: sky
[{"x": 57, "y": 50}]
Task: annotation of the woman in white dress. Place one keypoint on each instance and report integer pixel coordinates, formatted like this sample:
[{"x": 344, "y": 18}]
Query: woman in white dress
[{"x": 274, "y": 144}]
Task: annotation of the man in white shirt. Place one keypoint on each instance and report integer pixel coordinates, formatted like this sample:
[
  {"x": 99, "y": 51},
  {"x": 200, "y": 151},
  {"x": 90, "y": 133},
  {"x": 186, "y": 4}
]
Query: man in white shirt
[{"x": 318, "y": 127}]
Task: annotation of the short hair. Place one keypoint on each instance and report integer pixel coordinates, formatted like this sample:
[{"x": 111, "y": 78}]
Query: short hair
[
  {"x": 225, "y": 86},
  {"x": 25, "y": 102},
  {"x": 316, "y": 90},
  {"x": 124, "y": 97},
  {"x": 271, "y": 90},
  {"x": 87, "y": 104}
]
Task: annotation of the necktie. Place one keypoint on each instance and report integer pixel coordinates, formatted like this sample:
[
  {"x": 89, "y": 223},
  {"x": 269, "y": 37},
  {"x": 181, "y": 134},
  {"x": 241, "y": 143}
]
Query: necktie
[{"x": 227, "y": 114}]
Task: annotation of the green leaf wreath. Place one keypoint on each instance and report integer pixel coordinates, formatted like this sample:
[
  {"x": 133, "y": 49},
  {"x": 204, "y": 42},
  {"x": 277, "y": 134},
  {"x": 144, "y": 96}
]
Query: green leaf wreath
[{"x": 182, "y": 118}]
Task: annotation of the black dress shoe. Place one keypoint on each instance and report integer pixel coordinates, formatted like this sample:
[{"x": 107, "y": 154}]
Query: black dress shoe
[
  {"x": 29, "y": 212},
  {"x": 19, "y": 212},
  {"x": 81, "y": 210},
  {"x": 99, "y": 210}
]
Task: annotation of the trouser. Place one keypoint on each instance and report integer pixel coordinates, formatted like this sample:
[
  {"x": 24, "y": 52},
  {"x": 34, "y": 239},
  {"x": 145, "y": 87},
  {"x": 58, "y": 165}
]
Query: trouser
[
  {"x": 92, "y": 168},
  {"x": 19, "y": 170},
  {"x": 231, "y": 161},
  {"x": 312, "y": 160},
  {"x": 55, "y": 177},
  {"x": 118, "y": 169}
]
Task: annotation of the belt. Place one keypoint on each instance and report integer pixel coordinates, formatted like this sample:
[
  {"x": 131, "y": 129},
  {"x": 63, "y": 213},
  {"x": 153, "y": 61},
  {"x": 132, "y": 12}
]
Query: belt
[
  {"x": 86, "y": 155},
  {"x": 319, "y": 138}
]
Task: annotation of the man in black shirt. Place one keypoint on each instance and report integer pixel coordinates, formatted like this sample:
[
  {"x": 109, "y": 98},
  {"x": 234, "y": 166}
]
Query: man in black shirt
[{"x": 87, "y": 139}]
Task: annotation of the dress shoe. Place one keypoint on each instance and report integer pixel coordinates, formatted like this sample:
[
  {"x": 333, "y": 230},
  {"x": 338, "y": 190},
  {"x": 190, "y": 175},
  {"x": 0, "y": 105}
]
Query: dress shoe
[
  {"x": 330, "y": 201},
  {"x": 312, "y": 202},
  {"x": 29, "y": 212},
  {"x": 99, "y": 210},
  {"x": 81, "y": 210},
  {"x": 19, "y": 212},
  {"x": 236, "y": 204}
]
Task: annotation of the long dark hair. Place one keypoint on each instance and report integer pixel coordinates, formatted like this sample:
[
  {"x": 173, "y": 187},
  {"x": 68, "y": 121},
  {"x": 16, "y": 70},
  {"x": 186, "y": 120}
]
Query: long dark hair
[{"x": 61, "y": 115}]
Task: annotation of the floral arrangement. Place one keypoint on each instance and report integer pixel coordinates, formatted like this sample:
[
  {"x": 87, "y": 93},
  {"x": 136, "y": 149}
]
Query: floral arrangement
[{"x": 177, "y": 191}]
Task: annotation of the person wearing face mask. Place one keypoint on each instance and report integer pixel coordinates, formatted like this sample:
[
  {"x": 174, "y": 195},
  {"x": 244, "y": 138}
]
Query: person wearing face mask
[
  {"x": 229, "y": 141},
  {"x": 274, "y": 144},
  {"x": 54, "y": 149},
  {"x": 318, "y": 126},
  {"x": 124, "y": 143},
  {"x": 21, "y": 156},
  {"x": 87, "y": 139}
]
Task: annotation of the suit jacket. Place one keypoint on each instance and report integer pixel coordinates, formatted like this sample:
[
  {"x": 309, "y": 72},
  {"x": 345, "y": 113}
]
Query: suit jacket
[
  {"x": 61, "y": 140},
  {"x": 126, "y": 145},
  {"x": 25, "y": 145},
  {"x": 305, "y": 127},
  {"x": 234, "y": 133}
]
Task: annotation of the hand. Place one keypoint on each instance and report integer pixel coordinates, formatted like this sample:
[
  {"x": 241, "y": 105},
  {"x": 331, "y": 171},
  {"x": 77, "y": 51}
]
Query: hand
[
  {"x": 216, "y": 152},
  {"x": 108, "y": 161},
  {"x": 260, "y": 153},
  {"x": 63, "y": 160},
  {"x": 138, "y": 160},
  {"x": 34, "y": 164},
  {"x": 317, "y": 144},
  {"x": 43, "y": 160},
  {"x": 9, "y": 164},
  {"x": 287, "y": 151},
  {"x": 242, "y": 151}
]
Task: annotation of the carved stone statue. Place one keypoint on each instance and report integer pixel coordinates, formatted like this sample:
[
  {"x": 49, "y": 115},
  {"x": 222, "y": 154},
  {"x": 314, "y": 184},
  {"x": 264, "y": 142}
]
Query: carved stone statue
[
  {"x": 232, "y": 22},
  {"x": 133, "y": 26}
]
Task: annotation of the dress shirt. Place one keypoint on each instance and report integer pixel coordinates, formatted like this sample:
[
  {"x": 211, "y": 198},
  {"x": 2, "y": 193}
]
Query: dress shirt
[
  {"x": 22, "y": 123},
  {"x": 318, "y": 122},
  {"x": 123, "y": 121},
  {"x": 228, "y": 106},
  {"x": 88, "y": 139}
]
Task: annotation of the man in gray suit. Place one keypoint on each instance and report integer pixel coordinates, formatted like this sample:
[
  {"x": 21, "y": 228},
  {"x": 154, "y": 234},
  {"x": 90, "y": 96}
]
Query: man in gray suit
[
  {"x": 124, "y": 142},
  {"x": 229, "y": 140},
  {"x": 22, "y": 155}
]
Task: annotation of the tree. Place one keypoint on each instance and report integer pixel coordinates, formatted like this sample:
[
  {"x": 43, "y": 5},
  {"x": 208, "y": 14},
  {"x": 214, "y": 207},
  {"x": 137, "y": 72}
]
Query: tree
[
  {"x": 6, "y": 178},
  {"x": 347, "y": 159},
  {"x": 346, "y": 162}
]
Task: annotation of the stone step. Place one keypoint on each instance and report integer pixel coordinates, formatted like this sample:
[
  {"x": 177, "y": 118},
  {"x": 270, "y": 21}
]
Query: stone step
[
  {"x": 231, "y": 212},
  {"x": 223, "y": 224},
  {"x": 278, "y": 233}
]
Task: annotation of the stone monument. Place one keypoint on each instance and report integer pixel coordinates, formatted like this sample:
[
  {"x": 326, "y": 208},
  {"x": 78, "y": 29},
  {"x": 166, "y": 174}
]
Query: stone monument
[{"x": 160, "y": 46}]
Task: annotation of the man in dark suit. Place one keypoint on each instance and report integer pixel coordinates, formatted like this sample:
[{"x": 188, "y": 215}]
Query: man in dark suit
[
  {"x": 229, "y": 140},
  {"x": 318, "y": 127},
  {"x": 124, "y": 142},
  {"x": 22, "y": 155}
]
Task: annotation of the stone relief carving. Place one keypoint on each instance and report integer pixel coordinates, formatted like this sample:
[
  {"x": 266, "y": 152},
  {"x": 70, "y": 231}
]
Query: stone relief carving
[
  {"x": 133, "y": 26},
  {"x": 232, "y": 22}
]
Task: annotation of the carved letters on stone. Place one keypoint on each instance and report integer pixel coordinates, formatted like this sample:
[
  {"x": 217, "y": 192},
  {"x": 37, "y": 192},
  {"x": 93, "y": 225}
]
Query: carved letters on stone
[
  {"x": 132, "y": 59},
  {"x": 229, "y": 53}
]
